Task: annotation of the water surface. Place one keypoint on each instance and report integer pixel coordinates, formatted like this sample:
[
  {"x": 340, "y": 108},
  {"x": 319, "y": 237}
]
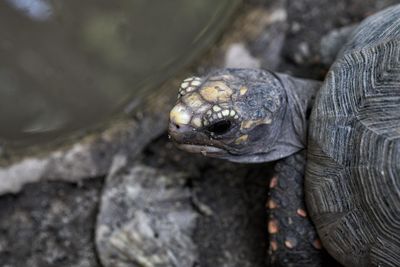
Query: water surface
[{"x": 67, "y": 65}]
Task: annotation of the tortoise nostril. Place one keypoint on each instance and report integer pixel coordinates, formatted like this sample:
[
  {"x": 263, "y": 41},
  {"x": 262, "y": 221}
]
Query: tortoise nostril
[{"x": 178, "y": 128}]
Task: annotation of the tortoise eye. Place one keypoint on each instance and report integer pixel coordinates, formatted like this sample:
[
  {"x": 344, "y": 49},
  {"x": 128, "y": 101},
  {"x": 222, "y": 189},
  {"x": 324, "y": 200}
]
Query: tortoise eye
[{"x": 220, "y": 127}]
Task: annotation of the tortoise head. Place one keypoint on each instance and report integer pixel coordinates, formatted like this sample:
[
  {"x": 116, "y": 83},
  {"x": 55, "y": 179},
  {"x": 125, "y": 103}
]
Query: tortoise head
[{"x": 235, "y": 114}]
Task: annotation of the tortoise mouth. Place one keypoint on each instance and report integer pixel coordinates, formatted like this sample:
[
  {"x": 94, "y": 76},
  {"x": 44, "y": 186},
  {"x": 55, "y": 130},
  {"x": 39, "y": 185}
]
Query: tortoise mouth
[{"x": 209, "y": 151}]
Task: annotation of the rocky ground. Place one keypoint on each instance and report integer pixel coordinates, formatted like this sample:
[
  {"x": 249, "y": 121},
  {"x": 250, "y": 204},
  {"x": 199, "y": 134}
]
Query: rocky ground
[{"x": 216, "y": 208}]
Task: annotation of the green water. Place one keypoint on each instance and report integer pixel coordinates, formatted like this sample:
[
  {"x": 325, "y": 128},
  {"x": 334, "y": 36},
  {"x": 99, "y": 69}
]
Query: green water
[{"x": 67, "y": 65}]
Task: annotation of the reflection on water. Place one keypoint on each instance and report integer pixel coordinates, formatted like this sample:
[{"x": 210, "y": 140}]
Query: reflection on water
[
  {"x": 35, "y": 9},
  {"x": 67, "y": 65}
]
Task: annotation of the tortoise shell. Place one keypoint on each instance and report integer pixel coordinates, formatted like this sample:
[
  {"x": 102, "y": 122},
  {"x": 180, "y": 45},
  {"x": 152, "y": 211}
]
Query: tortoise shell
[{"x": 353, "y": 169}]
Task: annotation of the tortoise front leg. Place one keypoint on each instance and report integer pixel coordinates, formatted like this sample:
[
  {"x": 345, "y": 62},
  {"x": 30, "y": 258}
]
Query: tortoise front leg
[{"x": 293, "y": 238}]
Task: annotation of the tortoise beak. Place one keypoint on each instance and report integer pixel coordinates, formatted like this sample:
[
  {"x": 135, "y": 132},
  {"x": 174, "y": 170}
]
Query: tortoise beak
[
  {"x": 181, "y": 133},
  {"x": 208, "y": 151},
  {"x": 188, "y": 139}
]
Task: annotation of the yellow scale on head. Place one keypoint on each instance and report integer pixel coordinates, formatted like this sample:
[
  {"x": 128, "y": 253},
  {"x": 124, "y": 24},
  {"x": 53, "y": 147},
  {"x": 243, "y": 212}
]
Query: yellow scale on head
[
  {"x": 211, "y": 96},
  {"x": 180, "y": 115},
  {"x": 216, "y": 92}
]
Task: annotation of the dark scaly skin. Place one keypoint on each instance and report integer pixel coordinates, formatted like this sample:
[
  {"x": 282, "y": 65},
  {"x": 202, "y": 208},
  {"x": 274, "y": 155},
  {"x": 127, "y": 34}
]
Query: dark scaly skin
[
  {"x": 293, "y": 240},
  {"x": 252, "y": 116}
]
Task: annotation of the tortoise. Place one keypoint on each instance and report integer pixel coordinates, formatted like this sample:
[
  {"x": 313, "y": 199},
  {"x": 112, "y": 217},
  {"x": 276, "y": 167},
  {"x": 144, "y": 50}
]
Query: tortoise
[{"x": 337, "y": 178}]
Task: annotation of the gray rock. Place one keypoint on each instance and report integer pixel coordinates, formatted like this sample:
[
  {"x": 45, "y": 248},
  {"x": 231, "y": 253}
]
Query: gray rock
[
  {"x": 332, "y": 43},
  {"x": 270, "y": 42},
  {"x": 261, "y": 45},
  {"x": 88, "y": 158},
  {"x": 146, "y": 219},
  {"x": 50, "y": 224},
  {"x": 309, "y": 21},
  {"x": 237, "y": 56}
]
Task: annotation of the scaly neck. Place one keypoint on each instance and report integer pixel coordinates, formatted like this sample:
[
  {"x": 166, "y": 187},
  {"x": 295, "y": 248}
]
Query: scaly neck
[{"x": 300, "y": 98}]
